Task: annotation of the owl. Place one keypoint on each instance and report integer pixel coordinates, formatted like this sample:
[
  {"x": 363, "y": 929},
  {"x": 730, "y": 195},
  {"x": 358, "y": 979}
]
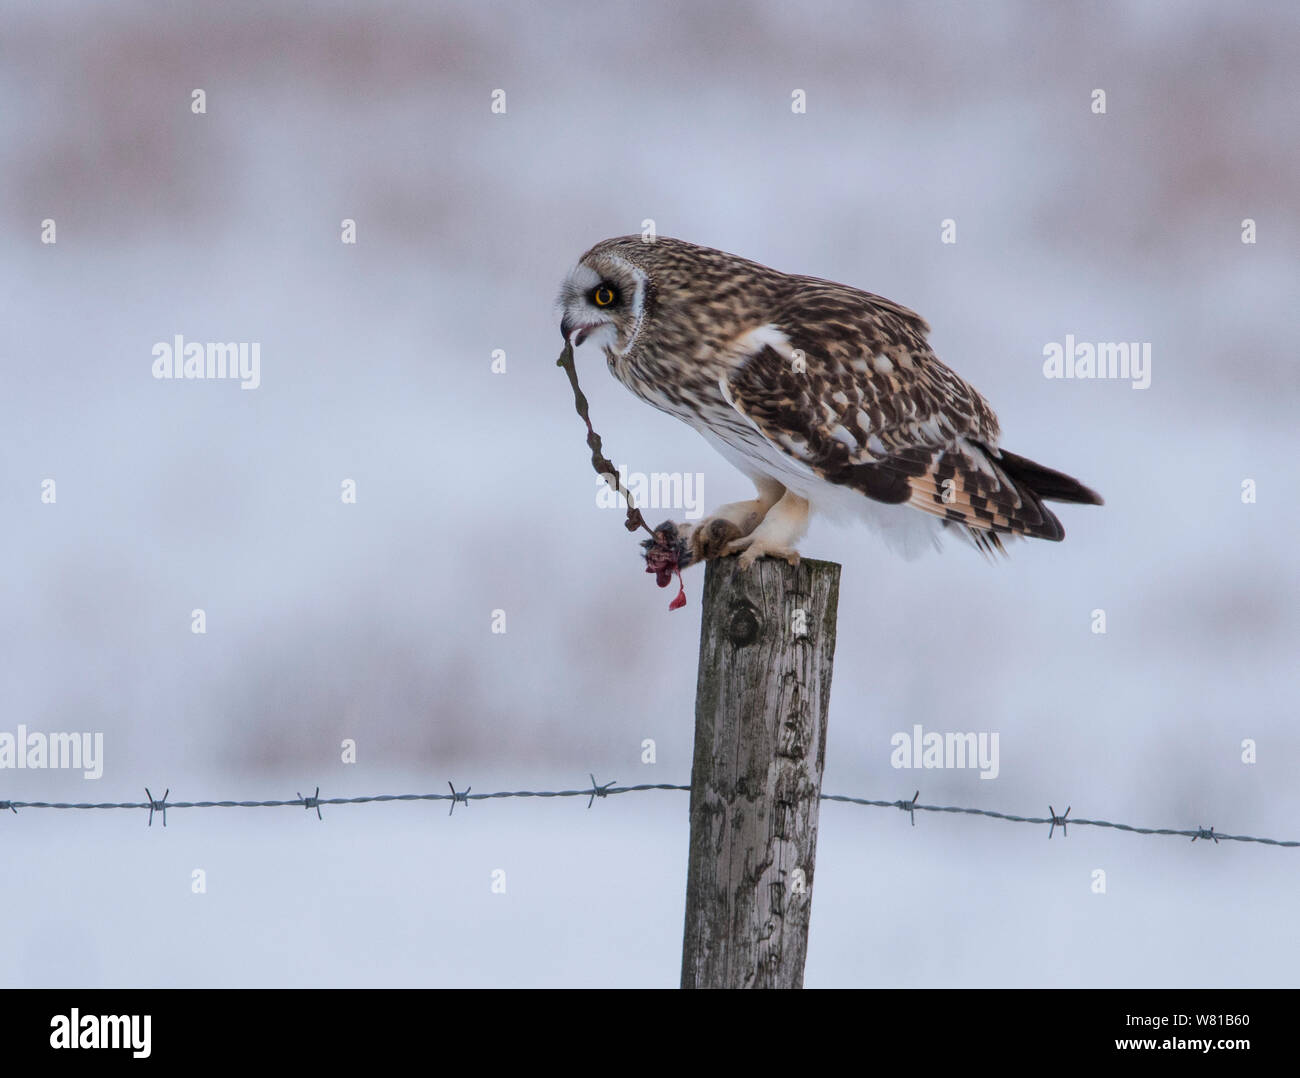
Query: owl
[{"x": 828, "y": 398}]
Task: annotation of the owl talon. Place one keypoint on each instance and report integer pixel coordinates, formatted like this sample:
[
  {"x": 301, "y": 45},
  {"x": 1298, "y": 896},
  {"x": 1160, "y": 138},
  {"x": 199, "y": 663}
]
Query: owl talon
[
  {"x": 782, "y": 527},
  {"x": 750, "y": 550}
]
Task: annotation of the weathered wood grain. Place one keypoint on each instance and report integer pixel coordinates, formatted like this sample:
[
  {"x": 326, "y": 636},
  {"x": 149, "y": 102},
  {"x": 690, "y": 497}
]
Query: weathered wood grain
[{"x": 767, "y": 641}]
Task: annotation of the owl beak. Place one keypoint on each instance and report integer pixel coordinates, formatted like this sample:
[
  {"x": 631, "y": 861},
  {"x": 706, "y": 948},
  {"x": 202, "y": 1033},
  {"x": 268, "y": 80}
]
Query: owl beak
[{"x": 573, "y": 332}]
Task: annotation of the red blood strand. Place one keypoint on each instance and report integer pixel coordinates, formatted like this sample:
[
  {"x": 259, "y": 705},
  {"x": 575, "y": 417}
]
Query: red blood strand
[{"x": 680, "y": 601}]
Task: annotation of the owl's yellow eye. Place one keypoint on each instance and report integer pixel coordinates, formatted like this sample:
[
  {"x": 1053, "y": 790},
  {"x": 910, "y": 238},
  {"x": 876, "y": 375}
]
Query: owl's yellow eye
[{"x": 603, "y": 296}]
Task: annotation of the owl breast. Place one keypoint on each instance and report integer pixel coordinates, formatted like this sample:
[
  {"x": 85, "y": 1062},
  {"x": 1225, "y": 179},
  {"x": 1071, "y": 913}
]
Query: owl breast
[{"x": 688, "y": 391}]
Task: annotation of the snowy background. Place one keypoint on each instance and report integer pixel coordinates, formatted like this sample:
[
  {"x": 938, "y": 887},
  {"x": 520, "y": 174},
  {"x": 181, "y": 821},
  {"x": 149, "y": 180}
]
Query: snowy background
[{"x": 373, "y": 621}]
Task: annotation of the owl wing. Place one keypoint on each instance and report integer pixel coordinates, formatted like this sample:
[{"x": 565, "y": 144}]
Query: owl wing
[{"x": 846, "y": 383}]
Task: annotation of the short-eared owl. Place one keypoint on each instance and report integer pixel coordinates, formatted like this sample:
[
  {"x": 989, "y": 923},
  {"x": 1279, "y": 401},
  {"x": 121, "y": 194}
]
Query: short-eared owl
[{"x": 828, "y": 398}]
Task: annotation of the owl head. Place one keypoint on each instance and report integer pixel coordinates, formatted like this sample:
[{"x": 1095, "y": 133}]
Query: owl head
[{"x": 606, "y": 296}]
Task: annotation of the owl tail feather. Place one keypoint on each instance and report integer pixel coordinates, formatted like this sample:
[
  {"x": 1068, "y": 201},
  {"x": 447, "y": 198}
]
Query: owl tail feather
[{"x": 1047, "y": 483}]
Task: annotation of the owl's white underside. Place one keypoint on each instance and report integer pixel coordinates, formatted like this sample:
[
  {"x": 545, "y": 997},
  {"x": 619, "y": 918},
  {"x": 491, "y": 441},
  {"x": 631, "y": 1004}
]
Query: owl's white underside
[{"x": 903, "y": 530}]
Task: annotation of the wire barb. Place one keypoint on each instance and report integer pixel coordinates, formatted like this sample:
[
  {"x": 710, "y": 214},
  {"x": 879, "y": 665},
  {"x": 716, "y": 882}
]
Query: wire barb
[
  {"x": 312, "y": 802},
  {"x": 463, "y": 798},
  {"x": 157, "y": 806},
  {"x": 1201, "y": 832},
  {"x": 597, "y": 790},
  {"x": 909, "y": 806},
  {"x": 1058, "y": 820}
]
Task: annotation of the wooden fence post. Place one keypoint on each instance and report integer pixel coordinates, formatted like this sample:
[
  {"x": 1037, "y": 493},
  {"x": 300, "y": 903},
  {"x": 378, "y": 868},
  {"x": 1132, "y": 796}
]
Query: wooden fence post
[{"x": 767, "y": 641}]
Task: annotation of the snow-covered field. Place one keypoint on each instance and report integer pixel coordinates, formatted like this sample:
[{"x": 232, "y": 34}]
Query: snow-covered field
[{"x": 373, "y": 622}]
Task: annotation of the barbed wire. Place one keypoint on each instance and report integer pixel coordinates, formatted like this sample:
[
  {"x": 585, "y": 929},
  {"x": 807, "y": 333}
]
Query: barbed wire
[{"x": 609, "y": 789}]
